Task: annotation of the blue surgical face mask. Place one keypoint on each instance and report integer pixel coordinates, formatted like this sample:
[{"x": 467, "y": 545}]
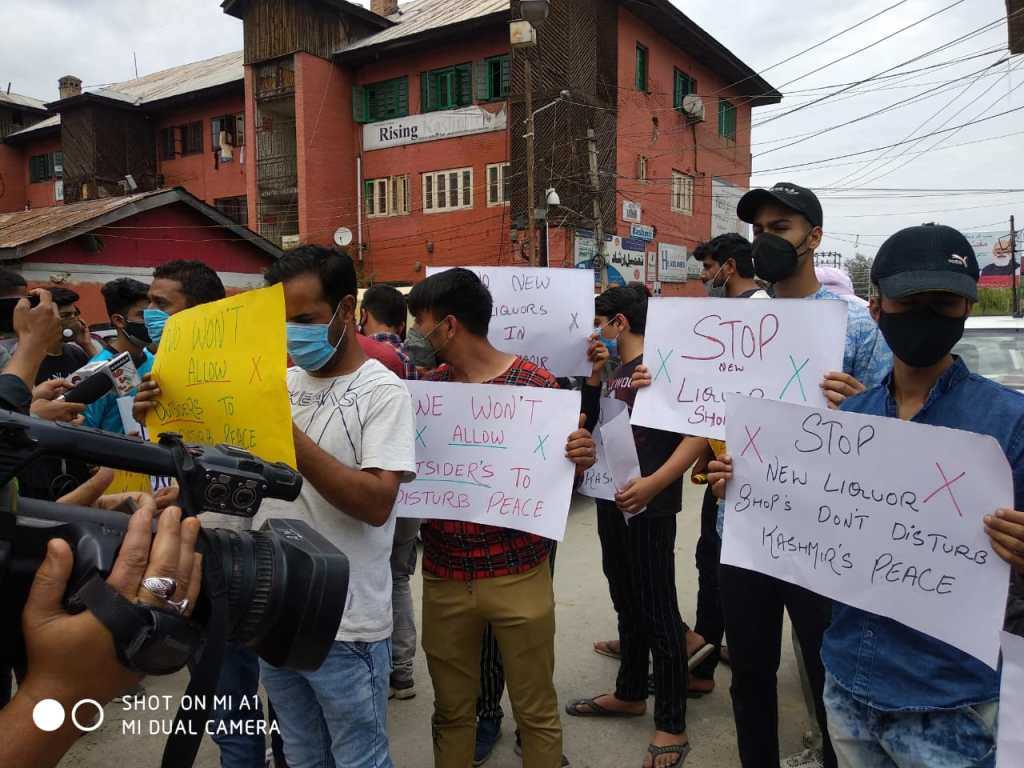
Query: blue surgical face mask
[
  {"x": 309, "y": 345},
  {"x": 612, "y": 345},
  {"x": 155, "y": 320}
]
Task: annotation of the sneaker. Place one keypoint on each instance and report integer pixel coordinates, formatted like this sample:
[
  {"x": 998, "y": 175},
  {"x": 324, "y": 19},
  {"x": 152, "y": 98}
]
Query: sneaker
[
  {"x": 402, "y": 690},
  {"x": 488, "y": 731},
  {"x": 519, "y": 750},
  {"x": 809, "y": 758}
]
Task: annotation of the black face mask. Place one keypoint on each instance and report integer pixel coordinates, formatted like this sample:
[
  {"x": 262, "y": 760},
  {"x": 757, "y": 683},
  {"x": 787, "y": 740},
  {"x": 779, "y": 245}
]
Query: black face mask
[
  {"x": 921, "y": 337},
  {"x": 136, "y": 332},
  {"x": 775, "y": 258}
]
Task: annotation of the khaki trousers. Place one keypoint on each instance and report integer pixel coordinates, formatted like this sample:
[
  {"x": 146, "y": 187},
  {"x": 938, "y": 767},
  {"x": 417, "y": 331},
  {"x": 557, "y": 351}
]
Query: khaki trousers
[{"x": 521, "y": 611}]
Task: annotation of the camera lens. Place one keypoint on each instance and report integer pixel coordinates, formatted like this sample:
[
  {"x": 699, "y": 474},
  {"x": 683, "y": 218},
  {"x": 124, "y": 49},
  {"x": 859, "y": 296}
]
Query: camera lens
[{"x": 286, "y": 590}]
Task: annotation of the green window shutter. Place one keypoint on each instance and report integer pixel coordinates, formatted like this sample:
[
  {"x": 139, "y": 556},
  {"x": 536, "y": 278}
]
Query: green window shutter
[
  {"x": 641, "y": 68},
  {"x": 359, "y": 104},
  {"x": 482, "y": 80},
  {"x": 402, "y": 97},
  {"x": 506, "y": 76},
  {"x": 677, "y": 93},
  {"x": 424, "y": 92},
  {"x": 464, "y": 80}
]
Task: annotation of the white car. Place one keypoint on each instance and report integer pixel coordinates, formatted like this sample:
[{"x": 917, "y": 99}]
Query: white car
[{"x": 994, "y": 347}]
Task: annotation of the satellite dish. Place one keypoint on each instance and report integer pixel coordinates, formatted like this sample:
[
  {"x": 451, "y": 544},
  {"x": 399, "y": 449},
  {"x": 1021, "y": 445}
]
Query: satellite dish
[{"x": 343, "y": 237}]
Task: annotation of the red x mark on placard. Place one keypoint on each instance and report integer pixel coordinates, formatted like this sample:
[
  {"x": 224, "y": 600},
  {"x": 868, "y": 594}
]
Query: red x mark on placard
[
  {"x": 751, "y": 443},
  {"x": 946, "y": 486}
]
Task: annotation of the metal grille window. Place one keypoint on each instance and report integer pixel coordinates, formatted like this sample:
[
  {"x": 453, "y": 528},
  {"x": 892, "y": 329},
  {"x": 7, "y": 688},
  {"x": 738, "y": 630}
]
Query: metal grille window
[
  {"x": 235, "y": 208},
  {"x": 498, "y": 184},
  {"x": 388, "y": 196},
  {"x": 726, "y": 120},
  {"x": 684, "y": 86},
  {"x": 641, "y": 68},
  {"x": 40, "y": 168},
  {"x": 446, "y": 88},
  {"x": 385, "y": 100},
  {"x": 448, "y": 190},
  {"x": 682, "y": 193}
]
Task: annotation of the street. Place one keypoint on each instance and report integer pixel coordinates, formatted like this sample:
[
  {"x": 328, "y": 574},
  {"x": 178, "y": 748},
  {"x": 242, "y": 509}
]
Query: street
[{"x": 584, "y": 615}]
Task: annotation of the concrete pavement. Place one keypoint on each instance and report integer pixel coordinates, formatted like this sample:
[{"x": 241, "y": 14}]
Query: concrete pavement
[{"x": 584, "y": 614}]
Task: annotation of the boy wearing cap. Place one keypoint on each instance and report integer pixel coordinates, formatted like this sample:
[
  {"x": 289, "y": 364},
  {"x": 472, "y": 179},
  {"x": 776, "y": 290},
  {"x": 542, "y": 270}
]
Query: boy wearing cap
[
  {"x": 787, "y": 223},
  {"x": 895, "y": 696}
]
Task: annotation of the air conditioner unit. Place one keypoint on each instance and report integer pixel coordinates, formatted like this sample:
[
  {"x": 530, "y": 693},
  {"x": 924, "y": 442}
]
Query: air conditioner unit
[{"x": 694, "y": 109}]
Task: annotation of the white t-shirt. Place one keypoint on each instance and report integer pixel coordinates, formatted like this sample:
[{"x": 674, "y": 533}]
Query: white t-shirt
[{"x": 365, "y": 421}]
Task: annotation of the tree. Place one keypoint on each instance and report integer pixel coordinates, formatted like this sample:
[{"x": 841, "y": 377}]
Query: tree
[{"x": 859, "y": 270}]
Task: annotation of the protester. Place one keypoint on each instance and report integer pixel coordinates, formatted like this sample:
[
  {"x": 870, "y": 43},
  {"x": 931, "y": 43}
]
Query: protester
[
  {"x": 63, "y": 357},
  {"x": 477, "y": 574},
  {"x": 840, "y": 283},
  {"x": 383, "y": 316},
  {"x": 126, "y": 299},
  {"x": 354, "y": 439},
  {"x": 728, "y": 268},
  {"x": 638, "y": 555},
  {"x": 787, "y": 223}
]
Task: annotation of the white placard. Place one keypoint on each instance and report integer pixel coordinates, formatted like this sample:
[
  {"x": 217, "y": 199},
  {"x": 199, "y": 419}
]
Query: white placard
[
  {"x": 725, "y": 198},
  {"x": 543, "y": 315},
  {"x": 431, "y": 126},
  {"x": 1010, "y": 748},
  {"x": 492, "y": 454},
  {"x": 702, "y": 351},
  {"x": 878, "y": 513},
  {"x": 619, "y": 445},
  {"x": 597, "y": 482}
]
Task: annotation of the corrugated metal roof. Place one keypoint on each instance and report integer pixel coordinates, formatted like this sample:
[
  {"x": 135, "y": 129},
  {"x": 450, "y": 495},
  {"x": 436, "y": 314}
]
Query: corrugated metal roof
[
  {"x": 177, "y": 81},
  {"x": 50, "y": 122},
  {"x": 23, "y": 227},
  {"x": 17, "y": 100},
  {"x": 425, "y": 15}
]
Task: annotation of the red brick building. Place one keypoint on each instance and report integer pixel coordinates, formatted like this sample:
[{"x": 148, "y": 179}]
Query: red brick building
[{"x": 405, "y": 126}]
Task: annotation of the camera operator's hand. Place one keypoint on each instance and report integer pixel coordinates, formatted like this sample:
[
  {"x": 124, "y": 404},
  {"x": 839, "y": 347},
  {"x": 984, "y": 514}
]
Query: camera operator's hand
[
  {"x": 36, "y": 328},
  {"x": 71, "y": 658},
  {"x": 45, "y": 404},
  {"x": 145, "y": 398},
  {"x": 89, "y": 492},
  {"x": 50, "y": 390}
]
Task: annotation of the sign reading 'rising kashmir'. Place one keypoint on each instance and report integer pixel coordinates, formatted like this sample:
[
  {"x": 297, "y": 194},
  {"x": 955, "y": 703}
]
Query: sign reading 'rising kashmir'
[{"x": 416, "y": 129}]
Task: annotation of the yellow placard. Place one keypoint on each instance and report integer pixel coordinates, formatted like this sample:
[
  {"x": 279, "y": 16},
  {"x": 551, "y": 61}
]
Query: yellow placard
[
  {"x": 130, "y": 482},
  {"x": 221, "y": 369}
]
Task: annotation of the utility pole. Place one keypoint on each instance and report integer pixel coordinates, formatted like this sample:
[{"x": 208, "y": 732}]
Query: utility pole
[
  {"x": 595, "y": 183},
  {"x": 1013, "y": 269},
  {"x": 530, "y": 170}
]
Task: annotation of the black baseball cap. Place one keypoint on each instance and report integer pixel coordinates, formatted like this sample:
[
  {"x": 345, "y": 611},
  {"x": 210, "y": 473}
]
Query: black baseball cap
[
  {"x": 799, "y": 199},
  {"x": 932, "y": 257}
]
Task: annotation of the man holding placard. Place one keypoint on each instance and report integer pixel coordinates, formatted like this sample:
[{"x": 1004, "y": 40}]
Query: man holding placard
[
  {"x": 353, "y": 426},
  {"x": 896, "y": 696},
  {"x": 477, "y": 575}
]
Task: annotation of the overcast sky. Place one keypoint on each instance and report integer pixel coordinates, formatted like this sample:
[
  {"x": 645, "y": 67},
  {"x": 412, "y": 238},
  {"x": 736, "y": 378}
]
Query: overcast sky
[{"x": 95, "y": 40}]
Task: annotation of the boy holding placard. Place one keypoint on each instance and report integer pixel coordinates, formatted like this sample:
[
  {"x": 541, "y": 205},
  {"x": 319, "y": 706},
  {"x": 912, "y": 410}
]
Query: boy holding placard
[
  {"x": 477, "y": 575},
  {"x": 895, "y": 696}
]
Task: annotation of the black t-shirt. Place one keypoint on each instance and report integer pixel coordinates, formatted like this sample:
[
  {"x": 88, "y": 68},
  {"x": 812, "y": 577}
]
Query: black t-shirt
[
  {"x": 653, "y": 446},
  {"x": 49, "y": 478},
  {"x": 63, "y": 365}
]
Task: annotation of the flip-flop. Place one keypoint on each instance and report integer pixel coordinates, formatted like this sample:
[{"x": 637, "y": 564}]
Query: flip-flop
[
  {"x": 682, "y": 750},
  {"x": 596, "y": 710},
  {"x": 699, "y": 655},
  {"x": 604, "y": 648}
]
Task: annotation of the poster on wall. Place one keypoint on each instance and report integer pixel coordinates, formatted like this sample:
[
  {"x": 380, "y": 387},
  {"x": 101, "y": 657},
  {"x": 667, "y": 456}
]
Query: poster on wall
[
  {"x": 994, "y": 253},
  {"x": 725, "y": 197},
  {"x": 626, "y": 257}
]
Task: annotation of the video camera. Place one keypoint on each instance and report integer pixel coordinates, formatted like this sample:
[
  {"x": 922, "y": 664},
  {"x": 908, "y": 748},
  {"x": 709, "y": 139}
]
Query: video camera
[{"x": 279, "y": 591}]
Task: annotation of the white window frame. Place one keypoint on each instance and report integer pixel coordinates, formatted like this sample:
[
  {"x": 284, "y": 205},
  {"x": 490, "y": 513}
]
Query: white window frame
[
  {"x": 641, "y": 168},
  {"x": 439, "y": 183},
  {"x": 682, "y": 193},
  {"x": 502, "y": 170},
  {"x": 396, "y": 194}
]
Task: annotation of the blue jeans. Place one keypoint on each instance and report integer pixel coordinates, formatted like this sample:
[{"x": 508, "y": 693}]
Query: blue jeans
[
  {"x": 239, "y": 679},
  {"x": 337, "y": 716},
  {"x": 865, "y": 737}
]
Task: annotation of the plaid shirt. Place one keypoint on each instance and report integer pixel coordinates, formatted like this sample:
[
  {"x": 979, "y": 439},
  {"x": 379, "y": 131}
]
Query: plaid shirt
[
  {"x": 470, "y": 551},
  {"x": 395, "y": 341}
]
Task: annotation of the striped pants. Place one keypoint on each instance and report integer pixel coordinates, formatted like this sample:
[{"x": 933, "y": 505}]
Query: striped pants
[
  {"x": 639, "y": 561},
  {"x": 492, "y": 671}
]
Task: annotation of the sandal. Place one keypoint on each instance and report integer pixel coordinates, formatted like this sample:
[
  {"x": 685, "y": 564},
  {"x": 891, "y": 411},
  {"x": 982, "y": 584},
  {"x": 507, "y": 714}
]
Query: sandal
[
  {"x": 699, "y": 655},
  {"x": 596, "y": 710},
  {"x": 604, "y": 648},
  {"x": 682, "y": 750}
]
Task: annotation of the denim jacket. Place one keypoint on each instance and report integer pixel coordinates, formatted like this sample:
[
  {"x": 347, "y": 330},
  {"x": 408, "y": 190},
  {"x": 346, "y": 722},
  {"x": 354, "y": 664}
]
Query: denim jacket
[{"x": 881, "y": 662}]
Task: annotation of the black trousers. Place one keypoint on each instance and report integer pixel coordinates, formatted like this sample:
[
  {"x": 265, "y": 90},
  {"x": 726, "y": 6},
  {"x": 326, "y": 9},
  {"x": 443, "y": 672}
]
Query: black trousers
[
  {"x": 753, "y": 604},
  {"x": 639, "y": 561},
  {"x": 492, "y": 671},
  {"x": 710, "y": 622}
]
